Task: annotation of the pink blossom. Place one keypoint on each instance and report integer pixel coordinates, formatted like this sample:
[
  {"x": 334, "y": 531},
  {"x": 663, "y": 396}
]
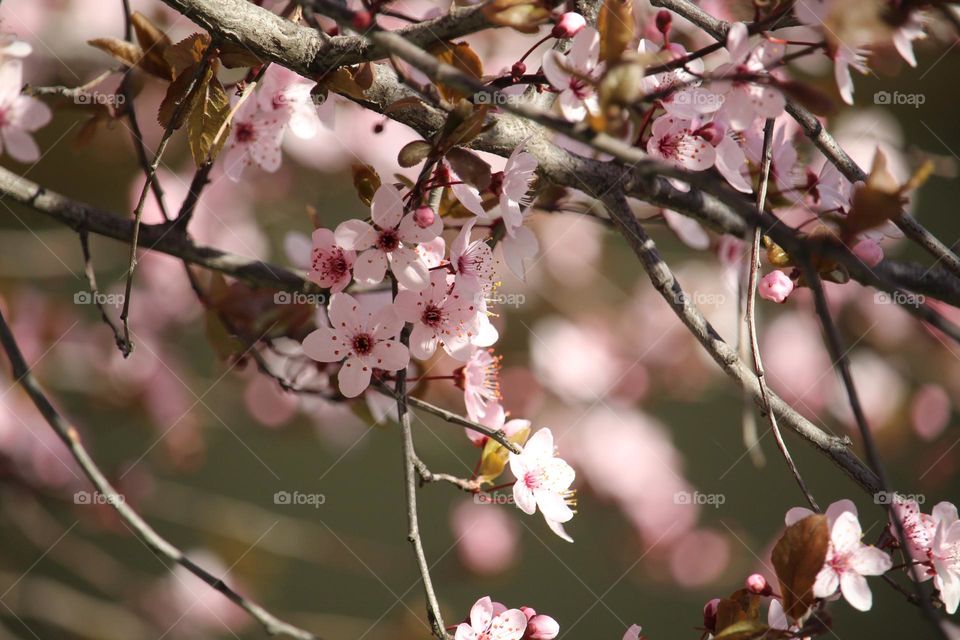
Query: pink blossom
[
  {"x": 20, "y": 115},
  {"x": 440, "y": 313},
  {"x": 517, "y": 174},
  {"x": 288, "y": 94},
  {"x": 388, "y": 241},
  {"x": 775, "y": 286},
  {"x": 484, "y": 625},
  {"x": 472, "y": 261},
  {"x": 930, "y": 411},
  {"x": 747, "y": 100},
  {"x": 539, "y": 626},
  {"x": 945, "y": 555},
  {"x": 568, "y": 25},
  {"x": 543, "y": 481},
  {"x": 868, "y": 251},
  {"x": 570, "y": 74},
  {"x": 480, "y": 380},
  {"x": 496, "y": 418},
  {"x": 676, "y": 141},
  {"x": 330, "y": 266},
  {"x": 683, "y": 97},
  {"x": 366, "y": 341},
  {"x": 919, "y": 529},
  {"x": 255, "y": 137},
  {"x": 632, "y": 632},
  {"x": 848, "y": 562}
]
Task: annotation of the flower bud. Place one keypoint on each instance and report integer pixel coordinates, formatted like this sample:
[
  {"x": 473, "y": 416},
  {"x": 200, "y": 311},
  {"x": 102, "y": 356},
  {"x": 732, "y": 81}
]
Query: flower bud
[
  {"x": 664, "y": 21},
  {"x": 710, "y": 615},
  {"x": 775, "y": 286},
  {"x": 541, "y": 627},
  {"x": 568, "y": 25},
  {"x": 424, "y": 217},
  {"x": 869, "y": 252},
  {"x": 518, "y": 69},
  {"x": 757, "y": 584},
  {"x": 361, "y": 20}
]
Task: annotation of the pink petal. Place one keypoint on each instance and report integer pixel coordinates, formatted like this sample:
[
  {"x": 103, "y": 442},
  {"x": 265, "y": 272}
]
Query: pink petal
[
  {"x": 481, "y": 614},
  {"x": 345, "y": 315},
  {"x": 354, "y": 377},
  {"x": 387, "y": 206},
  {"x": 323, "y": 345},
  {"x": 409, "y": 269},
  {"x": 355, "y": 235},
  {"x": 855, "y": 589},
  {"x": 370, "y": 267},
  {"x": 390, "y": 355},
  {"x": 509, "y": 625}
]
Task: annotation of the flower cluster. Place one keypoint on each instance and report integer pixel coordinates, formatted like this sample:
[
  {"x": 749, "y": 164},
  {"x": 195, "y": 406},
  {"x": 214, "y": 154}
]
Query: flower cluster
[
  {"x": 933, "y": 541},
  {"x": 491, "y": 620}
]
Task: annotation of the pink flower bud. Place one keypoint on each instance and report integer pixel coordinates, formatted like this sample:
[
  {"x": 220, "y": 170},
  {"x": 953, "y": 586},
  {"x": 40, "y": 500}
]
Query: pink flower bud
[
  {"x": 518, "y": 69},
  {"x": 775, "y": 286},
  {"x": 568, "y": 25},
  {"x": 757, "y": 584},
  {"x": 541, "y": 627},
  {"x": 424, "y": 217},
  {"x": 664, "y": 20},
  {"x": 361, "y": 21},
  {"x": 711, "y": 132},
  {"x": 869, "y": 252},
  {"x": 710, "y": 614},
  {"x": 529, "y": 612}
]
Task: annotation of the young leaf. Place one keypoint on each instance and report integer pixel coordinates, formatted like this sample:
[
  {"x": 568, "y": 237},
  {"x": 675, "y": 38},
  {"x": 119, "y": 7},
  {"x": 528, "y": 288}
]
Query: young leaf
[
  {"x": 798, "y": 557},
  {"x": 523, "y": 15},
  {"x": 740, "y": 606},
  {"x": 745, "y": 630},
  {"x": 126, "y": 52},
  {"x": 494, "y": 458},
  {"x": 179, "y": 92},
  {"x": 186, "y": 53},
  {"x": 208, "y": 115},
  {"x": 413, "y": 153},
  {"x": 366, "y": 181},
  {"x": 154, "y": 42},
  {"x": 471, "y": 168},
  {"x": 462, "y": 57},
  {"x": 615, "y": 24}
]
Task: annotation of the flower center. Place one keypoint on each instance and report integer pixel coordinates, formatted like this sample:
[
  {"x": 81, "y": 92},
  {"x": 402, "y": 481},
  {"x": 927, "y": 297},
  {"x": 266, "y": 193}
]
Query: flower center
[
  {"x": 532, "y": 479},
  {"x": 580, "y": 88},
  {"x": 362, "y": 344},
  {"x": 432, "y": 316},
  {"x": 245, "y": 132},
  {"x": 388, "y": 240}
]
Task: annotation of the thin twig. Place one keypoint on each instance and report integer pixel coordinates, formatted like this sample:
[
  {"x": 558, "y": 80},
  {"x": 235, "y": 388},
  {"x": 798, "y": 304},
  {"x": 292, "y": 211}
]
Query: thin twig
[
  {"x": 178, "y": 111},
  {"x": 95, "y": 292},
  {"x": 411, "y": 474},
  {"x": 71, "y": 438},
  {"x": 750, "y": 316}
]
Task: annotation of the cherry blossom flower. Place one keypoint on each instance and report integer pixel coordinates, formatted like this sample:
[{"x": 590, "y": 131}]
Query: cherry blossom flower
[
  {"x": 518, "y": 245},
  {"x": 472, "y": 261},
  {"x": 568, "y": 25},
  {"x": 439, "y": 313},
  {"x": 366, "y": 341},
  {"x": 571, "y": 75},
  {"x": 330, "y": 266},
  {"x": 487, "y": 624},
  {"x": 945, "y": 555},
  {"x": 431, "y": 253},
  {"x": 816, "y": 13},
  {"x": 20, "y": 115},
  {"x": 679, "y": 141},
  {"x": 746, "y": 100},
  {"x": 919, "y": 529},
  {"x": 517, "y": 174},
  {"x": 255, "y": 138},
  {"x": 496, "y": 418},
  {"x": 775, "y": 286},
  {"x": 480, "y": 380},
  {"x": 388, "y": 241},
  {"x": 847, "y": 563},
  {"x": 288, "y": 94},
  {"x": 683, "y": 97},
  {"x": 543, "y": 481}
]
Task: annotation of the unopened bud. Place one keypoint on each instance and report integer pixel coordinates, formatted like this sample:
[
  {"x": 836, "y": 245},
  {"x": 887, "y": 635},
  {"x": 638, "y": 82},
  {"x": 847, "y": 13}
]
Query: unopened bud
[
  {"x": 517, "y": 70},
  {"x": 541, "y": 627},
  {"x": 424, "y": 217},
  {"x": 664, "y": 21},
  {"x": 361, "y": 20},
  {"x": 710, "y": 615},
  {"x": 711, "y": 132},
  {"x": 757, "y": 584},
  {"x": 568, "y": 25}
]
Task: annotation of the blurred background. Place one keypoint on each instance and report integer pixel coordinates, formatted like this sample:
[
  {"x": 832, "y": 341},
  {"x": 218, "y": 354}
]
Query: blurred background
[{"x": 202, "y": 446}]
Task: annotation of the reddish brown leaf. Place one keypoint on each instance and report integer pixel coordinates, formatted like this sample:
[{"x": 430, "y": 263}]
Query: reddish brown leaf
[{"x": 798, "y": 557}]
